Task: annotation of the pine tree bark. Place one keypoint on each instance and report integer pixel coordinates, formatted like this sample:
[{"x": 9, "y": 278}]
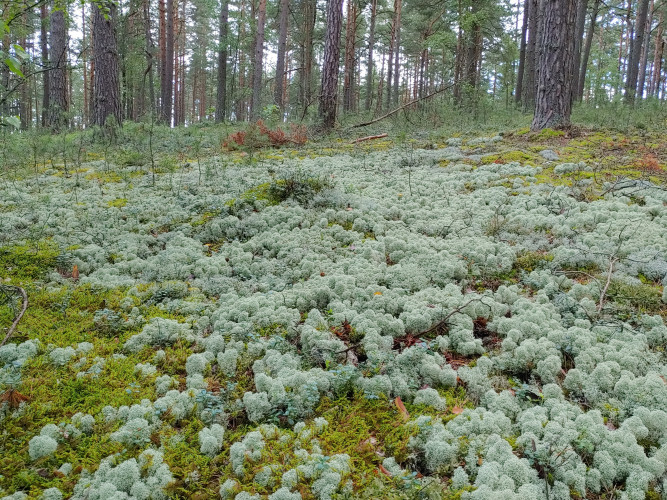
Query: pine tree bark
[
  {"x": 657, "y": 58},
  {"x": 522, "y": 53},
  {"x": 221, "y": 97},
  {"x": 44, "y": 48},
  {"x": 530, "y": 82},
  {"x": 369, "y": 64},
  {"x": 553, "y": 99},
  {"x": 329, "y": 93},
  {"x": 278, "y": 96},
  {"x": 580, "y": 26},
  {"x": 149, "y": 56},
  {"x": 348, "y": 73},
  {"x": 392, "y": 49},
  {"x": 397, "y": 52},
  {"x": 57, "y": 118},
  {"x": 167, "y": 87},
  {"x": 256, "y": 107},
  {"x": 643, "y": 61},
  {"x": 106, "y": 87},
  {"x": 587, "y": 51},
  {"x": 635, "y": 52}
]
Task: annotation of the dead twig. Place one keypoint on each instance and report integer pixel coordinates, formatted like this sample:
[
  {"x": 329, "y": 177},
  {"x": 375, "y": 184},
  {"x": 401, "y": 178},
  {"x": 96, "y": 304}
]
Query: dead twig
[
  {"x": 369, "y": 138},
  {"x": 443, "y": 321},
  {"x": 24, "y": 307},
  {"x": 603, "y": 293}
]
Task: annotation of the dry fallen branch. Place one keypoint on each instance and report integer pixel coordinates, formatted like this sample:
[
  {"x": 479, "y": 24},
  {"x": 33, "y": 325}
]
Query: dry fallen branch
[
  {"x": 407, "y": 104},
  {"x": 369, "y": 138},
  {"x": 603, "y": 293},
  {"x": 24, "y": 307},
  {"x": 443, "y": 321}
]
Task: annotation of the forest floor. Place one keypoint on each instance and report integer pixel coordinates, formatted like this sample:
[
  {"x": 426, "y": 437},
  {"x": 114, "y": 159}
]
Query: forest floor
[{"x": 336, "y": 319}]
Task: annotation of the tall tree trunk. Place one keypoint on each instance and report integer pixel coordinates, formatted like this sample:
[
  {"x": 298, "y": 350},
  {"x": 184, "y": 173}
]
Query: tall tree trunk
[
  {"x": 150, "y": 50},
  {"x": 657, "y": 58},
  {"x": 644, "y": 57},
  {"x": 553, "y": 100},
  {"x": 57, "y": 117},
  {"x": 522, "y": 53},
  {"x": 44, "y": 48},
  {"x": 329, "y": 92},
  {"x": 25, "y": 104},
  {"x": 181, "y": 34},
  {"x": 348, "y": 73},
  {"x": 531, "y": 56},
  {"x": 84, "y": 60},
  {"x": 279, "y": 97},
  {"x": 306, "y": 72},
  {"x": 392, "y": 48},
  {"x": 580, "y": 26},
  {"x": 635, "y": 52},
  {"x": 167, "y": 90},
  {"x": 106, "y": 88},
  {"x": 473, "y": 52},
  {"x": 162, "y": 42},
  {"x": 587, "y": 51},
  {"x": 257, "y": 66},
  {"x": 369, "y": 65},
  {"x": 241, "y": 105},
  {"x": 378, "y": 106},
  {"x": 221, "y": 98},
  {"x": 397, "y": 52}
]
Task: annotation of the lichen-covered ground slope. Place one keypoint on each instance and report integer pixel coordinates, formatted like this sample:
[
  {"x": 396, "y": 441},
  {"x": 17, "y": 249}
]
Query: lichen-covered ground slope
[{"x": 477, "y": 319}]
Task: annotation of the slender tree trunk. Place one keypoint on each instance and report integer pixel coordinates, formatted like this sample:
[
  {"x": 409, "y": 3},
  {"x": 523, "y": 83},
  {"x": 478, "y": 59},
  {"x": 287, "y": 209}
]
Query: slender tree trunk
[
  {"x": 106, "y": 89},
  {"x": 58, "y": 79},
  {"x": 257, "y": 67},
  {"x": 587, "y": 51},
  {"x": 306, "y": 83},
  {"x": 84, "y": 60},
  {"x": 369, "y": 66},
  {"x": 528, "y": 93},
  {"x": 459, "y": 62},
  {"x": 553, "y": 100},
  {"x": 473, "y": 52},
  {"x": 44, "y": 48},
  {"x": 522, "y": 53},
  {"x": 348, "y": 74},
  {"x": 25, "y": 105},
  {"x": 279, "y": 97},
  {"x": 397, "y": 51},
  {"x": 657, "y": 58},
  {"x": 167, "y": 91},
  {"x": 580, "y": 25},
  {"x": 378, "y": 106},
  {"x": 329, "y": 92},
  {"x": 644, "y": 57},
  {"x": 150, "y": 50},
  {"x": 241, "y": 105},
  {"x": 221, "y": 99},
  {"x": 392, "y": 48},
  {"x": 635, "y": 52},
  {"x": 162, "y": 42}
]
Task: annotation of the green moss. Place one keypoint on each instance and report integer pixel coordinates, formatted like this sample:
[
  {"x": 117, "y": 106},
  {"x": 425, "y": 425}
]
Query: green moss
[
  {"x": 529, "y": 261},
  {"x": 30, "y": 261},
  {"x": 511, "y": 156},
  {"x": 641, "y": 298},
  {"x": 118, "y": 202},
  {"x": 547, "y": 133}
]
